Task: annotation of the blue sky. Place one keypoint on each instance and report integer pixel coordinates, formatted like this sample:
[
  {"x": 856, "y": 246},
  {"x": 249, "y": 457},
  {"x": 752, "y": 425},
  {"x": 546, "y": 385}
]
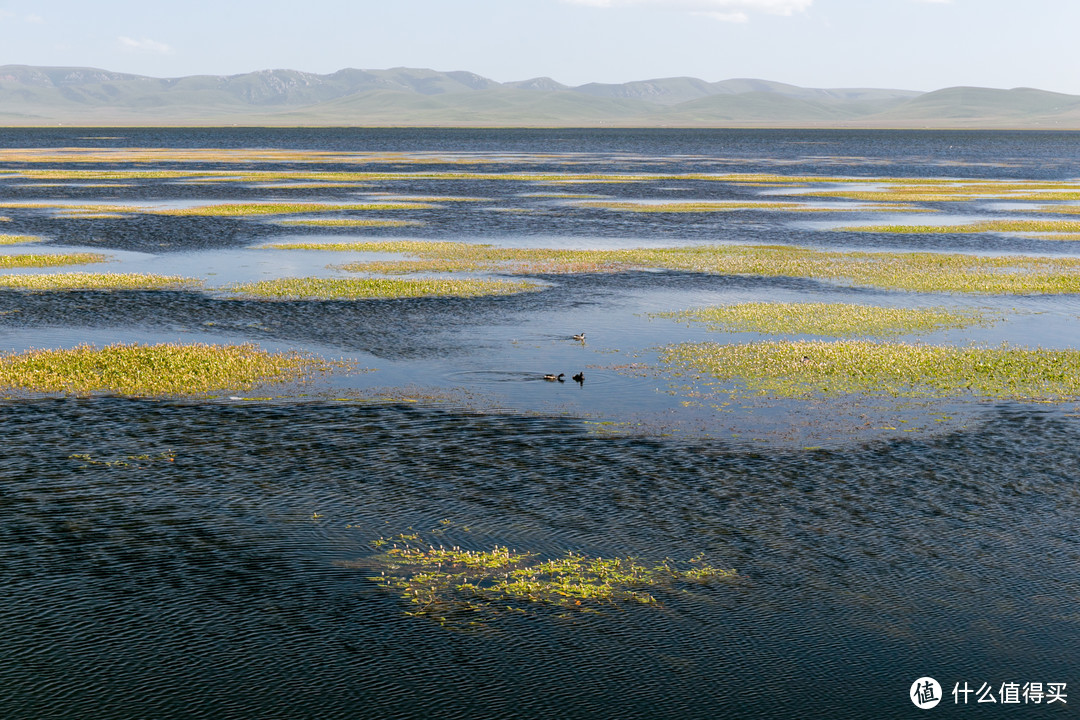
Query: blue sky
[{"x": 909, "y": 44}]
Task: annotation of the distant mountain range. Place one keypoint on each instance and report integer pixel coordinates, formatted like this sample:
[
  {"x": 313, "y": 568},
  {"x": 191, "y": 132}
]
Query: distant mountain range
[{"x": 417, "y": 97}]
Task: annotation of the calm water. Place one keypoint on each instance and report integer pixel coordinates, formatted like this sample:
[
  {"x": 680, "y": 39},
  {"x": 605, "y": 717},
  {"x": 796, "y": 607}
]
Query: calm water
[{"x": 224, "y": 583}]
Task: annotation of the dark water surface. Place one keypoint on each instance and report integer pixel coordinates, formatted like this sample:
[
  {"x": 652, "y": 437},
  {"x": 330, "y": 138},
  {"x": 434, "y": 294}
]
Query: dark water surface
[{"x": 167, "y": 559}]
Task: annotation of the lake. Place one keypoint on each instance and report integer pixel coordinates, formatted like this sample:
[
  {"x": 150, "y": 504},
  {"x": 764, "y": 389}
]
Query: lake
[{"x": 220, "y": 557}]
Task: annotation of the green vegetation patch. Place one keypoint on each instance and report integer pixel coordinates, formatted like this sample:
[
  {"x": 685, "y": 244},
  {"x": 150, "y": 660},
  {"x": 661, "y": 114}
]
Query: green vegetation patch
[
  {"x": 373, "y": 288},
  {"x": 50, "y": 260},
  {"x": 1009, "y": 226},
  {"x": 451, "y": 585},
  {"x": 152, "y": 370},
  {"x": 831, "y": 319},
  {"x": 263, "y": 208},
  {"x": 18, "y": 239},
  {"x": 352, "y": 222},
  {"x": 690, "y": 207},
  {"x": 98, "y": 281},
  {"x": 805, "y": 369},
  {"x": 456, "y": 256},
  {"x": 922, "y": 272},
  {"x": 949, "y": 190}
]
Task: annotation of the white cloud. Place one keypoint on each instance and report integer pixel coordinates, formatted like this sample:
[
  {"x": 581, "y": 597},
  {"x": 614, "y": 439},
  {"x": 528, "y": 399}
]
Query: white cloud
[
  {"x": 725, "y": 10},
  {"x": 144, "y": 45},
  {"x": 34, "y": 19}
]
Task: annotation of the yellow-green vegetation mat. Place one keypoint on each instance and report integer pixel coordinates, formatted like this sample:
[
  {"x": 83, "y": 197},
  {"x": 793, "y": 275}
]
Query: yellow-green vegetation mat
[
  {"x": 690, "y": 207},
  {"x": 50, "y": 260},
  {"x": 948, "y": 190},
  {"x": 152, "y": 370},
  {"x": 352, "y": 222},
  {"x": 818, "y": 368},
  {"x": 453, "y": 585},
  {"x": 18, "y": 239},
  {"x": 831, "y": 319},
  {"x": 98, "y": 281},
  {"x": 918, "y": 271},
  {"x": 245, "y": 209},
  {"x": 370, "y": 288},
  {"x": 985, "y": 226}
]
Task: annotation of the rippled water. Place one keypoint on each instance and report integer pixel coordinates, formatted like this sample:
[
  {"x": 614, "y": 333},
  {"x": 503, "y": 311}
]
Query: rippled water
[{"x": 164, "y": 559}]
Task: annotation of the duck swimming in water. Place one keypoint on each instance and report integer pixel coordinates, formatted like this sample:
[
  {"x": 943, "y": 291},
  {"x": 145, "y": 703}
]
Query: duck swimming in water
[
  {"x": 579, "y": 378},
  {"x": 580, "y": 337},
  {"x": 553, "y": 378}
]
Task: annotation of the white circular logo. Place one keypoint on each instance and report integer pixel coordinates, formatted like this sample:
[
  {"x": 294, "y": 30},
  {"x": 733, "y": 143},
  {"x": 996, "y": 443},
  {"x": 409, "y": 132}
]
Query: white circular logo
[{"x": 925, "y": 693}]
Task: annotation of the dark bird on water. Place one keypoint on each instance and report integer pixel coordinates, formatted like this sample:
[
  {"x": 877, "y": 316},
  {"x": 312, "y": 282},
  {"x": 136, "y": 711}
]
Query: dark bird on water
[
  {"x": 579, "y": 378},
  {"x": 553, "y": 378},
  {"x": 579, "y": 336}
]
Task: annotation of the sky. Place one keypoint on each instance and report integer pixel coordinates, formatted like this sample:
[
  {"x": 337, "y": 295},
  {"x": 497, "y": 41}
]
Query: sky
[{"x": 902, "y": 44}]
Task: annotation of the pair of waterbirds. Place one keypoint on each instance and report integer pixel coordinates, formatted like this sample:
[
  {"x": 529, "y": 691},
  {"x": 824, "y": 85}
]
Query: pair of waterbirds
[{"x": 580, "y": 377}]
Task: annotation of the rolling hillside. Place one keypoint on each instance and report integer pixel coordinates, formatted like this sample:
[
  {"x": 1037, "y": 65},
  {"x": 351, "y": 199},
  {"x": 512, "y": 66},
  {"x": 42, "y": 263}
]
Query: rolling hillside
[{"x": 420, "y": 97}]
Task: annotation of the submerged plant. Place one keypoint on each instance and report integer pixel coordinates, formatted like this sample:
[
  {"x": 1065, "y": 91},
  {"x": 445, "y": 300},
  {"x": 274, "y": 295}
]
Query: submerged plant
[
  {"x": 451, "y": 584},
  {"x": 138, "y": 462}
]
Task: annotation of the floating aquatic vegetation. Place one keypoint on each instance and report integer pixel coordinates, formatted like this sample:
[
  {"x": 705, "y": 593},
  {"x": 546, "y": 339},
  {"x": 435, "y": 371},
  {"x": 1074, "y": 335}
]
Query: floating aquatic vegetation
[
  {"x": 831, "y": 319},
  {"x": 949, "y": 190},
  {"x": 133, "y": 461},
  {"x": 1060, "y": 209},
  {"x": 152, "y": 370},
  {"x": 98, "y": 281},
  {"x": 452, "y": 585},
  {"x": 691, "y": 207},
  {"x": 923, "y": 272},
  {"x": 917, "y": 271},
  {"x": 18, "y": 239},
  {"x": 267, "y": 208},
  {"x": 372, "y": 288},
  {"x": 1003, "y": 226},
  {"x": 804, "y": 369},
  {"x": 352, "y": 222},
  {"x": 50, "y": 260}
]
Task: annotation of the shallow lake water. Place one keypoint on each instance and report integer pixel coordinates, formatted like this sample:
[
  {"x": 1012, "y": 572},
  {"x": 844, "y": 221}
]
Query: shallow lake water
[{"x": 164, "y": 558}]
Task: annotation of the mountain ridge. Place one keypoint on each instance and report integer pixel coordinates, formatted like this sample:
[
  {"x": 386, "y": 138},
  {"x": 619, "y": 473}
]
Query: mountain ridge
[{"x": 401, "y": 96}]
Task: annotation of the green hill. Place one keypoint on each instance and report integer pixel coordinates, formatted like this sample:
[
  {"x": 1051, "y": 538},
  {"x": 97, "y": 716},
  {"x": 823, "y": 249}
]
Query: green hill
[{"x": 419, "y": 97}]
